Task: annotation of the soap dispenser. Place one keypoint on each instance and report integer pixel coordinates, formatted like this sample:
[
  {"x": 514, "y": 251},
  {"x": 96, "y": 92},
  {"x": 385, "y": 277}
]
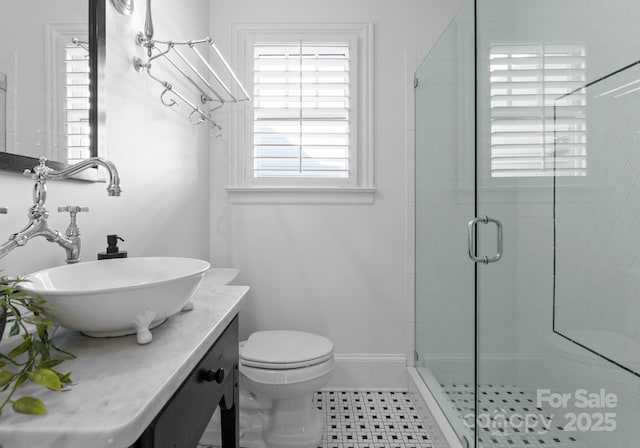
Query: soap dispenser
[{"x": 112, "y": 249}]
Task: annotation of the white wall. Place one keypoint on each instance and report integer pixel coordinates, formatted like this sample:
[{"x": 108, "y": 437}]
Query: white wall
[
  {"x": 163, "y": 162},
  {"x": 337, "y": 270}
]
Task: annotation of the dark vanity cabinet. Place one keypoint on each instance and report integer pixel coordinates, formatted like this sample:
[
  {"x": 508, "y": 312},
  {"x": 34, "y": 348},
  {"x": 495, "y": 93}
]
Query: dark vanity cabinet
[{"x": 213, "y": 382}]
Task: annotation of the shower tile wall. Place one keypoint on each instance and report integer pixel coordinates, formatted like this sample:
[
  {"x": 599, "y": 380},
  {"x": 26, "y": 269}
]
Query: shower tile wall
[
  {"x": 598, "y": 271},
  {"x": 597, "y": 267},
  {"x": 598, "y": 255}
]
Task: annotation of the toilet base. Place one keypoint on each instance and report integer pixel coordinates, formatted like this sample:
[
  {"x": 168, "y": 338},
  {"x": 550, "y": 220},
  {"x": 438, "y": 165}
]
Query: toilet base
[
  {"x": 294, "y": 423},
  {"x": 268, "y": 423}
]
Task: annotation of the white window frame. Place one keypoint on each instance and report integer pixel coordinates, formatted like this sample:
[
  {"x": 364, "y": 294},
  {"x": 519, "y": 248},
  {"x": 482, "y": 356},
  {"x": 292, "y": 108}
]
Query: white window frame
[{"x": 243, "y": 186}]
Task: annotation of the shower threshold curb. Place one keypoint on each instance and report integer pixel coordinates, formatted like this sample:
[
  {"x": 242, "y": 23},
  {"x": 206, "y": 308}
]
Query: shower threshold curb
[{"x": 425, "y": 401}]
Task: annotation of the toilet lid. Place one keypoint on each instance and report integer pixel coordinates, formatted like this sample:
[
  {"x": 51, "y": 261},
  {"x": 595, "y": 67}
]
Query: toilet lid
[{"x": 285, "y": 349}]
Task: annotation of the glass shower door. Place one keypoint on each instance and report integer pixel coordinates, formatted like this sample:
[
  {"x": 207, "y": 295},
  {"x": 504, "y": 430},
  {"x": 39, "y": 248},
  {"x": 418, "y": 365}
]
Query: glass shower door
[
  {"x": 558, "y": 345},
  {"x": 445, "y": 201}
]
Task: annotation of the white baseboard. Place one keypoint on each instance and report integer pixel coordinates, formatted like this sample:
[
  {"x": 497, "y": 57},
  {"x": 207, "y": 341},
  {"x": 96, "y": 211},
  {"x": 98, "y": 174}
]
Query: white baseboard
[{"x": 364, "y": 371}]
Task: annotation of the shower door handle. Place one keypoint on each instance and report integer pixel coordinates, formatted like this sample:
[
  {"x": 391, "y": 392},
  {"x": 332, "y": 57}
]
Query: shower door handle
[{"x": 471, "y": 240}]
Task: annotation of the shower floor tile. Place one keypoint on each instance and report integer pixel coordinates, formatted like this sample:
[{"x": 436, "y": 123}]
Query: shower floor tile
[{"x": 499, "y": 401}]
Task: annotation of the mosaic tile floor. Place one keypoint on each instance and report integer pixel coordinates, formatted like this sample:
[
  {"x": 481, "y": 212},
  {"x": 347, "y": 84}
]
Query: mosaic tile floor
[
  {"x": 371, "y": 420},
  {"x": 500, "y": 404}
]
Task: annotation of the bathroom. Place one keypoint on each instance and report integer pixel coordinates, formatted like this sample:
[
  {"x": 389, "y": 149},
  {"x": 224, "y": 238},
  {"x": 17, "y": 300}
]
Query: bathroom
[{"x": 343, "y": 264}]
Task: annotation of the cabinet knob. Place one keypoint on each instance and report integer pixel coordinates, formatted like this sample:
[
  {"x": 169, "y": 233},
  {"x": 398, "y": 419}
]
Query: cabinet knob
[{"x": 215, "y": 375}]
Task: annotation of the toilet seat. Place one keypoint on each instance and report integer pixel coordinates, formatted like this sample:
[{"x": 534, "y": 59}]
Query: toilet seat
[{"x": 284, "y": 349}]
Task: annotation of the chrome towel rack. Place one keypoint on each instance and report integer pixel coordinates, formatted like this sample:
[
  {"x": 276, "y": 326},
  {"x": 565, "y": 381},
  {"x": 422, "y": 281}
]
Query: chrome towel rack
[{"x": 187, "y": 58}]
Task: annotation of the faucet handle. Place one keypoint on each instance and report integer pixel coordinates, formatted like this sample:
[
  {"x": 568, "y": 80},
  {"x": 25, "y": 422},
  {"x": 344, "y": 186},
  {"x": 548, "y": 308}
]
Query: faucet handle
[
  {"x": 72, "y": 230},
  {"x": 4, "y": 210},
  {"x": 73, "y": 209},
  {"x": 40, "y": 172}
]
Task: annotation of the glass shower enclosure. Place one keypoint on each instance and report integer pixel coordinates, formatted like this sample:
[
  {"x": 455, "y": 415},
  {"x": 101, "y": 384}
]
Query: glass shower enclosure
[{"x": 528, "y": 223}]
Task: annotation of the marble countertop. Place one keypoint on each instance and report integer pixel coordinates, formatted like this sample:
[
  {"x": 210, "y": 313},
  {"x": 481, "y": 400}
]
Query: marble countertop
[{"x": 120, "y": 386}]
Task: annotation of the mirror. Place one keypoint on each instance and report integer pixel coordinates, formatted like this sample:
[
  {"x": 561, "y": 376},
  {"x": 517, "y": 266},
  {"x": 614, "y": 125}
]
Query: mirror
[{"x": 51, "y": 70}]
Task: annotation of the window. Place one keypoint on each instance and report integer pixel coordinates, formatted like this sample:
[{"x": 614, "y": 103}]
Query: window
[
  {"x": 525, "y": 84},
  {"x": 67, "y": 133},
  {"x": 301, "y": 113},
  {"x": 76, "y": 102},
  {"x": 308, "y": 124}
]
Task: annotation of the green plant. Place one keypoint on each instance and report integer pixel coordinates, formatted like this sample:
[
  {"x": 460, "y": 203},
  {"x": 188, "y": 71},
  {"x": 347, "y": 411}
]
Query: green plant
[{"x": 31, "y": 359}]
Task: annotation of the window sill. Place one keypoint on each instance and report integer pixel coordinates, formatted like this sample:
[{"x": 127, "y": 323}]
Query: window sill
[{"x": 301, "y": 195}]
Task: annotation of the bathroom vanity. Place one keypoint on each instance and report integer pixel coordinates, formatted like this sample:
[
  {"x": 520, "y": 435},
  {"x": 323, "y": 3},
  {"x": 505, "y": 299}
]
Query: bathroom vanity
[{"x": 162, "y": 394}]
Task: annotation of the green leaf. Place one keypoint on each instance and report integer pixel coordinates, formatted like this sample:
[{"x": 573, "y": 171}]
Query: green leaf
[
  {"x": 37, "y": 320},
  {"x": 21, "y": 379},
  {"x": 42, "y": 330},
  {"x": 15, "y": 329},
  {"x": 42, "y": 349},
  {"x": 46, "y": 378},
  {"x": 51, "y": 363},
  {"x": 65, "y": 378},
  {"x": 29, "y": 405},
  {"x": 15, "y": 312},
  {"x": 20, "y": 349},
  {"x": 5, "y": 377}
]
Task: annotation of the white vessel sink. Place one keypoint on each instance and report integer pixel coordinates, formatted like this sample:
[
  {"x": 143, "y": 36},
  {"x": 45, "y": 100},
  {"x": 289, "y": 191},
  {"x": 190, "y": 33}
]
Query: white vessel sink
[{"x": 119, "y": 296}]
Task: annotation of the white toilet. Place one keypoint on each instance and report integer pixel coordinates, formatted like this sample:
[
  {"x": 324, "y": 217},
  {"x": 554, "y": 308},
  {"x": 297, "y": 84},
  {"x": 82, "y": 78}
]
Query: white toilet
[{"x": 279, "y": 372}]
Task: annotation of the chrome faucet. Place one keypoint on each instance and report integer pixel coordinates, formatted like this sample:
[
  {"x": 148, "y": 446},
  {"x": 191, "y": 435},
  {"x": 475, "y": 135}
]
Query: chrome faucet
[{"x": 38, "y": 214}]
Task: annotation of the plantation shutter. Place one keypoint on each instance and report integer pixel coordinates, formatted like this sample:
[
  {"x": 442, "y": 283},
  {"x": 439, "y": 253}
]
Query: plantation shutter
[
  {"x": 301, "y": 122},
  {"x": 76, "y": 97},
  {"x": 526, "y": 82}
]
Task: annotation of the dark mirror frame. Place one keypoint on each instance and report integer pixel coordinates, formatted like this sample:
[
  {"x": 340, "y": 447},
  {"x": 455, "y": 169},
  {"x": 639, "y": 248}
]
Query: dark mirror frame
[{"x": 97, "y": 36}]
